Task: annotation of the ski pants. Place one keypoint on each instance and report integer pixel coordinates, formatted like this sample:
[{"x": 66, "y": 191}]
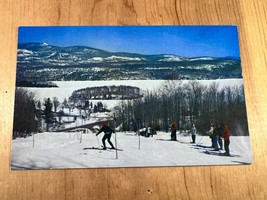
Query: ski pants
[
  {"x": 194, "y": 138},
  {"x": 173, "y": 135},
  {"x": 226, "y": 146},
  {"x": 212, "y": 141},
  {"x": 215, "y": 142},
  {"x": 107, "y": 137}
]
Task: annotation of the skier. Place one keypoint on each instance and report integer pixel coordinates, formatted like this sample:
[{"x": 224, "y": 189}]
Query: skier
[
  {"x": 220, "y": 135},
  {"x": 173, "y": 131},
  {"x": 210, "y": 134},
  {"x": 108, "y": 131},
  {"x": 148, "y": 131},
  {"x": 193, "y": 132},
  {"x": 226, "y": 137},
  {"x": 215, "y": 136}
]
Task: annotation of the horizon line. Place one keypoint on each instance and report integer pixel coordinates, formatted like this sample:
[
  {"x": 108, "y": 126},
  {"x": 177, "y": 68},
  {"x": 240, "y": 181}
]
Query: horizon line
[{"x": 200, "y": 56}]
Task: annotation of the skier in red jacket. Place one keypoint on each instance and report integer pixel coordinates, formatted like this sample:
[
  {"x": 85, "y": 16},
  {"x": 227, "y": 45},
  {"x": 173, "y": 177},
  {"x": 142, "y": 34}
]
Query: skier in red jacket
[
  {"x": 173, "y": 131},
  {"x": 226, "y": 137}
]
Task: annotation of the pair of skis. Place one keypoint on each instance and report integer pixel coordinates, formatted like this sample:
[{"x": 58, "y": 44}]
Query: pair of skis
[
  {"x": 213, "y": 152},
  {"x": 98, "y": 148}
]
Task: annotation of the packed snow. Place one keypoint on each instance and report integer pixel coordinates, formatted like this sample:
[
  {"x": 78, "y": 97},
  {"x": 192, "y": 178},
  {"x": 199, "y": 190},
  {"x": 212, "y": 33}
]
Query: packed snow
[{"x": 54, "y": 150}]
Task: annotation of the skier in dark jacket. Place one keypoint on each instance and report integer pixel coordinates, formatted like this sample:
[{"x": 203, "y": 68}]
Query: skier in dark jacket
[{"x": 108, "y": 131}]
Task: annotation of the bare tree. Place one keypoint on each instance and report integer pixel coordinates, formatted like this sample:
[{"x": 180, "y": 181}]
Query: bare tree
[
  {"x": 55, "y": 103},
  {"x": 187, "y": 103}
]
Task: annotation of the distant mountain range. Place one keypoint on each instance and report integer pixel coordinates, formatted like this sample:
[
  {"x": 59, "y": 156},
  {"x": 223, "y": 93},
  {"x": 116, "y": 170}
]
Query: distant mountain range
[{"x": 43, "y": 62}]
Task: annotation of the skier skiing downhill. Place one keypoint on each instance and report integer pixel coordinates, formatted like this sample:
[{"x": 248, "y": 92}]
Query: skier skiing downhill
[{"x": 107, "y": 135}]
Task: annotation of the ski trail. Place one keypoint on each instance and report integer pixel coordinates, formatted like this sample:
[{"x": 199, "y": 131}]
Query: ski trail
[{"x": 58, "y": 151}]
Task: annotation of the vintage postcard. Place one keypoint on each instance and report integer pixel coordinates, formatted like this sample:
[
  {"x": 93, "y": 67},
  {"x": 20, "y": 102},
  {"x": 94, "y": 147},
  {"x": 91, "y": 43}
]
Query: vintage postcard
[{"x": 129, "y": 96}]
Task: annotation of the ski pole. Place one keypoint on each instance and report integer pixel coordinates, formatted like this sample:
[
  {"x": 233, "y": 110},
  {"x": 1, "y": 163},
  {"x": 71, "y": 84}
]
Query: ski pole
[
  {"x": 200, "y": 140},
  {"x": 81, "y": 137},
  {"x": 139, "y": 142},
  {"x": 33, "y": 140},
  {"x": 117, "y": 144},
  {"x": 114, "y": 118}
]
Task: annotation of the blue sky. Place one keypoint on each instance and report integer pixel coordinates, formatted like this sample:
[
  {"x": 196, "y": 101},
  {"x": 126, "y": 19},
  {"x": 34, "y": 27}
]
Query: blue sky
[{"x": 189, "y": 41}]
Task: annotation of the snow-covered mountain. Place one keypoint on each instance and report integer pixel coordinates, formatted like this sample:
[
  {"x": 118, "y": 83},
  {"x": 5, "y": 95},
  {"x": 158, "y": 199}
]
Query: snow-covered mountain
[
  {"x": 44, "y": 62},
  {"x": 42, "y": 53}
]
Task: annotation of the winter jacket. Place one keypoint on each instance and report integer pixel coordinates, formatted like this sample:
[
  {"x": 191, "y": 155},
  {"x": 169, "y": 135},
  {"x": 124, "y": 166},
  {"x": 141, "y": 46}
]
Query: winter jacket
[
  {"x": 193, "y": 131},
  {"x": 106, "y": 130},
  {"x": 226, "y": 134},
  {"x": 221, "y": 131},
  {"x": 210, "y": 132},
  {"x": 174, "y": 126},
  {"x": 216, "y": 131}
]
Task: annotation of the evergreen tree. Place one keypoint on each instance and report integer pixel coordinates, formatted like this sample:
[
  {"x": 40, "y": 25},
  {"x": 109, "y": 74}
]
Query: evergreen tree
[
  {"x": 86, "y": 104},
  {"x": 48, "y": 114},
  {"x": 25, "y": 121}
]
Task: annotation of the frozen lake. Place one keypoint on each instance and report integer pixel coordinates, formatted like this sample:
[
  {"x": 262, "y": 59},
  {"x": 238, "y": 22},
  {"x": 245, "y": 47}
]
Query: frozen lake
[{"x": 65, "y": 88}]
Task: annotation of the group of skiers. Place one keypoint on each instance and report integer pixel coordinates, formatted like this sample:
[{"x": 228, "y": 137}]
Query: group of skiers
[
  {"x": 216, "y": 133},
  {"x": 193, "y": 132}
]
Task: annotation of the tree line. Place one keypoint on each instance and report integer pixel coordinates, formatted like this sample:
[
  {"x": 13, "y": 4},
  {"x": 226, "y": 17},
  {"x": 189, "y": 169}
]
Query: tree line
[
  {"x": 187, "y": 104},
  {"x": 32, "y": 115},
  {"x": 29, "y": 113}
]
